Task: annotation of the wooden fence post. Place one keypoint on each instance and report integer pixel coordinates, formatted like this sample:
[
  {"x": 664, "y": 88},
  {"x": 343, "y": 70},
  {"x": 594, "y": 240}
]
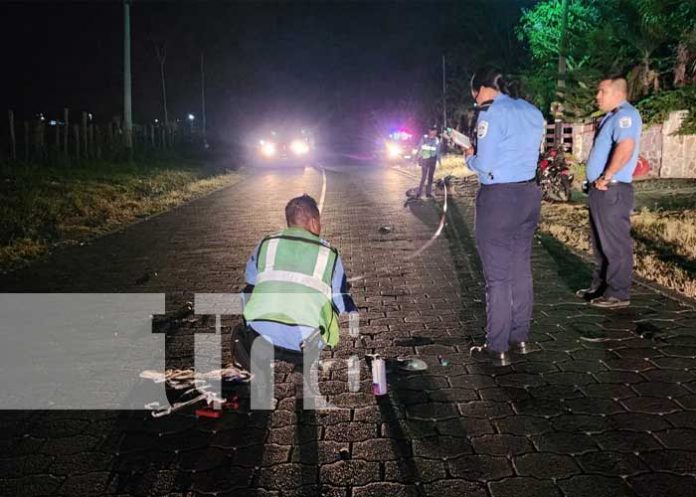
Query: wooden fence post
[
  {"x": 39, "y": 139},
  {"x": 91, "y": 140},
  {"x": 66, "y": 130},
  {"x": 98, "y": 141},
  {"x": 13, "y": 140},
  {"x": 26, "y": 141},
  {"x": 58, "y": 139},
  {"x": 110, "y": 134},
  {"x": 76, "y": 132},
  {"x": 85, "y": 140}
]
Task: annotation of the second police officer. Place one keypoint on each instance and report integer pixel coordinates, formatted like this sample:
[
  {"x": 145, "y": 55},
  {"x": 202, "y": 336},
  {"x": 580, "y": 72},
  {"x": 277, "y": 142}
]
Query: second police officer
[
  {"x": 509, "y": 133},
  {"x": 428, "y": 154}
]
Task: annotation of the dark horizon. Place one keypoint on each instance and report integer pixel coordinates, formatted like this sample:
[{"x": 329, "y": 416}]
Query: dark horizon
[{"x": 324, "y": 64}]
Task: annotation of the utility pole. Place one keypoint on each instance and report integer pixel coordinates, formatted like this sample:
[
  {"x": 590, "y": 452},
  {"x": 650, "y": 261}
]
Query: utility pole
[
  {"x": 127, "y": 103},
  {"x": 563, "y": 48},
  {"x": 561, "y": 81},
  {"x": 161, "y": 52},
  {"x": 444, "y": 94},
  {"x": 203, "y": 124}
]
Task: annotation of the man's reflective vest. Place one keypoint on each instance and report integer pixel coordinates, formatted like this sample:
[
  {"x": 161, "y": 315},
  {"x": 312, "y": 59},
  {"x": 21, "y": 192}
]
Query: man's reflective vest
[
  {"x": 428, "y": 147},
  {"x": 293, "y": 284}
]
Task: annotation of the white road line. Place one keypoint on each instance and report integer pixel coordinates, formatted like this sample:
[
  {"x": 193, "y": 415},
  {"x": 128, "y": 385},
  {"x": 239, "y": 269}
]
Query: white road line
[
  {"x": 323, "y": 190},
  {"x": 437, "y": 232}
]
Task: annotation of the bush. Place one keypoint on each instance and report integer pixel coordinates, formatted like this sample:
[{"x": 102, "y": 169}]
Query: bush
[{"x": 656, "y": 108}]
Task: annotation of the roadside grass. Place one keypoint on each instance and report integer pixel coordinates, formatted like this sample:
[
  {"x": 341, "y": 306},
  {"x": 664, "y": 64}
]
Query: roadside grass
[
  {"x": 45, "y": 207},
  {"x": 452, "y": 164},
  {"x": 663, "y": 229}
]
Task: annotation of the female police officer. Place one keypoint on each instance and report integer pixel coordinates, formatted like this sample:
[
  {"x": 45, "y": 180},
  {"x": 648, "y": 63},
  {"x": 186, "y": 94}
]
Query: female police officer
[{"x": 508, "y": 138}]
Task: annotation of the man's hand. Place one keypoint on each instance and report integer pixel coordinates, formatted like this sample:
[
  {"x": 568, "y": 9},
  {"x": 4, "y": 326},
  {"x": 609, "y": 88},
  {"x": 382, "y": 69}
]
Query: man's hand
[
  {"x": 601, "y": 183},
  {"x": 619, "y": 157},
  {"x": 469, "y": 151}
]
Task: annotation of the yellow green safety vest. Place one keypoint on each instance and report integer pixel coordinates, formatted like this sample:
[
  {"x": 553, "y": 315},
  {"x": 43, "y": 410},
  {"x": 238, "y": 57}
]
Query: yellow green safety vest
[
  {"x": 428, "y": 148},
  {"x": 293, "y": 283}
]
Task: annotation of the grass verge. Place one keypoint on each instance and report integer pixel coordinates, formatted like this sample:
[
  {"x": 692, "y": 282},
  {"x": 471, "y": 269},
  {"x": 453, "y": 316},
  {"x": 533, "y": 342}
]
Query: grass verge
[
  {"x": 664, "y": 239},
  {"x": 42, "y": 208},
  {"x": 454, "y": 165}
]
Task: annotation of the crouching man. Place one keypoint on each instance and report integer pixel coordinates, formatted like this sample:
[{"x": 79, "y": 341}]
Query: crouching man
[{"x": 298, "y": 288}]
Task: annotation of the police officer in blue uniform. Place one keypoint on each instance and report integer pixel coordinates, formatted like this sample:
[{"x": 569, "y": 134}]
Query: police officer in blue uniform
[
  {"x": 509, "y": 133},
  {"x": 610, "y": 167}
]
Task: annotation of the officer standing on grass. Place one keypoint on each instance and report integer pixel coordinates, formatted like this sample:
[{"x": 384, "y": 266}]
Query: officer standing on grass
[
  {"x": 429, "y": 150},
  {"x": 509, "y": 133},
  {"x": 610, "y": 166}
]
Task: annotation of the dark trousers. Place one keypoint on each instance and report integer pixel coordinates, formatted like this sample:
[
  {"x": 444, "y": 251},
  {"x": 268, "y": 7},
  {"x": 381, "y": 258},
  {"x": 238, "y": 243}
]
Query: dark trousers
[
  {"x": 506, "y": 217},
  {"x": 610, "y": 228},
  {"x": 255, "y": 354},
  {"x": 427, "y": 172}
]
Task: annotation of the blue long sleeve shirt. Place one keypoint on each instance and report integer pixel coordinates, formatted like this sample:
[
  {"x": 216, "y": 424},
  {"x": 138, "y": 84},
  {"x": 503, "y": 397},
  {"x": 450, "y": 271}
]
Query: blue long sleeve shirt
[
  {"x": 509, "y": 134},
  {"x": 289, "y": 336}
]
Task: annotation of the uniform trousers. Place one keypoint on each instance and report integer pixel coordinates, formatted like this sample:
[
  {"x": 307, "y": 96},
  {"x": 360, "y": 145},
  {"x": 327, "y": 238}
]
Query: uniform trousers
[
  {"x": 255, "y": 354},
  {"x": 610, "y": 228},
  {"x": 507, "y": 215},
  {"x": 427, "y": 171}
]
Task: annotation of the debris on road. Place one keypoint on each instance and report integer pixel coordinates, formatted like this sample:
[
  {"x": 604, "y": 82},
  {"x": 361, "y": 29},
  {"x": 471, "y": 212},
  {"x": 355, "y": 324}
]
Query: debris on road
[
  {"x": 442, "y": 360},
  {"x": 412, "y": 364}
]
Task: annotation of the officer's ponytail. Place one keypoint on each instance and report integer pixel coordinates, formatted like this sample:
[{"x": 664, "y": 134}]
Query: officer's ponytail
[{"x": 492, "y": 77}]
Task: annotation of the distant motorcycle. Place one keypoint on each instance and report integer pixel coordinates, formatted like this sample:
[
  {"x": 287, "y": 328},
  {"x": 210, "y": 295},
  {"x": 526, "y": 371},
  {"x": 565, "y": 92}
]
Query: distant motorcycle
[{"x": 554, "y": 176}]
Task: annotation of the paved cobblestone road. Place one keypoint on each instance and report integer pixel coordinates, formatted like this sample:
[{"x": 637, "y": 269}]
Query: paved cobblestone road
[{"x": 576, "y": 417}]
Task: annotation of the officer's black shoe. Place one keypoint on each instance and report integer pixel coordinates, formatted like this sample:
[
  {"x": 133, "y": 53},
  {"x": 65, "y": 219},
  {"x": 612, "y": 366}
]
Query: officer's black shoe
[
  {"x": 519, "y": 348},
  {"x": 483, "y": 352},
  {"x": 609, "y": 303},
  {"x": 587, "y": 293}
]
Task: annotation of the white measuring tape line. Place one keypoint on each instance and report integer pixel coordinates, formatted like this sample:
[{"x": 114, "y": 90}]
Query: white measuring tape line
[
  {"x": 425, "y": 246},
  {"x": 322, "y": 197}
]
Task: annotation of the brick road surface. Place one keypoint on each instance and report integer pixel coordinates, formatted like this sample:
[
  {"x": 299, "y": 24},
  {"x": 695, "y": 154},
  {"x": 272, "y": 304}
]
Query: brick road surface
[{"x": 605, "y": 405}]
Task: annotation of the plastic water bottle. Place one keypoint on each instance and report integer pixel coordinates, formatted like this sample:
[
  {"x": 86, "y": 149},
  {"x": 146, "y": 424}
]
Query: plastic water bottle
[
  {"x": 354, "y": 324},
  {"x": 379, "y": 376},
  {"x": 353, "y": 374}
]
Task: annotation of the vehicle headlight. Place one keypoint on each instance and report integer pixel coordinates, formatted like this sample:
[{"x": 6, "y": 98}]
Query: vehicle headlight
[
  {"x": 393, "y": 150},
  {"x": 268, "y": 149},
  {"x": 299, "y": 147}
]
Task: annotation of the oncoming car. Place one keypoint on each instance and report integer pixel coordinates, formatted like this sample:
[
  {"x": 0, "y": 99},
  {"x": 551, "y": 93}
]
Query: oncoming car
[
  {"x": 399, "y": 146},
  {"x": 284, "y": 148}
]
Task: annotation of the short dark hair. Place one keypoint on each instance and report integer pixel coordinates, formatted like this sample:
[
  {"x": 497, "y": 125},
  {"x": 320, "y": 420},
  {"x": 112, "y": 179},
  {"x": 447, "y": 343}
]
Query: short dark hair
[
  {"x": 617, "y": 81},
  {"x": 492, "y": 77},
  {"x": 300, "y": 210}
]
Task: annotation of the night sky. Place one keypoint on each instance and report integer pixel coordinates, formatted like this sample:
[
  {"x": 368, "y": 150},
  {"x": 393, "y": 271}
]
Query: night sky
[{"x": 330, "y": 64}]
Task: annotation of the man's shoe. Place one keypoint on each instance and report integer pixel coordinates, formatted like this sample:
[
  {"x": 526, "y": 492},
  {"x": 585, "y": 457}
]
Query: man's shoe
[
  {"x": 519, "y": 348},
  {"x": 609, "y": 303},
  {"x": 483, "y": 352},
  {"x": 587, "y": 293}
]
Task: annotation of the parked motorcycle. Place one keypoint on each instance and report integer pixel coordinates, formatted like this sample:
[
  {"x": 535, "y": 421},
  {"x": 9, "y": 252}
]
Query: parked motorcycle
[{"x": 554, "y": 176}]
